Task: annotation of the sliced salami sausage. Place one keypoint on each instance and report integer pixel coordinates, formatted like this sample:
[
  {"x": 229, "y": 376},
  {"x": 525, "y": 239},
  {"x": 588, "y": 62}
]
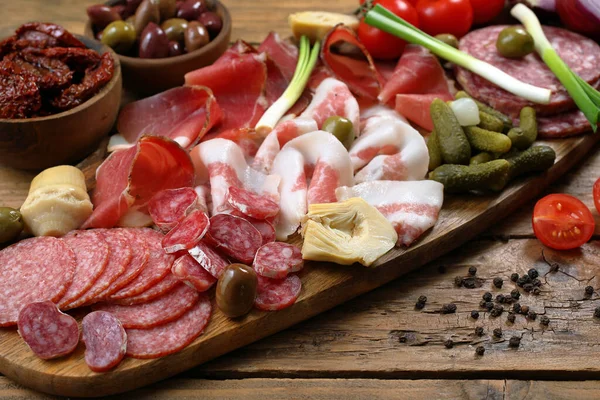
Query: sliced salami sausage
[
  {"x": 170, "y": 206},
  {"x": 172, "y": 337},
  {"x": 165, "y": 285},
  {"x": 188, "y": 270},
  {"x": 276, "y": 260},
  {"x": 156, "y": 312},
  {"x": 120, "y": 256},
  {"x": 157, "y": 267},
  {"x": 235, "y": 237},
  {"x": 187, "y": 233},
  {"x": 251, "y": 204},
  {"x": 32, "y": 270},
  {"x": 105, "y": 341},
  {"x": 91, "y": 252},
  {"x": 277, "y": 294},
  {"x": 48, "y": 332},
  {"x": 264, "y": 226},
  {"x": 209, "y": 259}
]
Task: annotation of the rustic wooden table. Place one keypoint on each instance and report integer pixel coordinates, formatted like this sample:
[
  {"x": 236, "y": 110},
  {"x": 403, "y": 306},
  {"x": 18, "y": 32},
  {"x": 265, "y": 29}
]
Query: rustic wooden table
[{"x": 378, "y": 345}]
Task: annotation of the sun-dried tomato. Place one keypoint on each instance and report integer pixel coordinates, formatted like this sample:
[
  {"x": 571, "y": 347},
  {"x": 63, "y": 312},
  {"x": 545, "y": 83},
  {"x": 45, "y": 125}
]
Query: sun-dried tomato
[
  {"x": 19, "y": 94},
  {"x": 79, "y": 59},
  {"x": 49, "y": 73},
  {"x": 47, "y": 35}
]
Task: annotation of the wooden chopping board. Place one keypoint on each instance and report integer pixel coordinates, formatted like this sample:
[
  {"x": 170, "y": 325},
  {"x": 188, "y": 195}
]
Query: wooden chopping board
[{"x": 324, "y": 286}]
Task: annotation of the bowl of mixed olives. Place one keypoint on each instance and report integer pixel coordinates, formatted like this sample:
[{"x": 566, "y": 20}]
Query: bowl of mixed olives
[{"x": 159, "y": 41}]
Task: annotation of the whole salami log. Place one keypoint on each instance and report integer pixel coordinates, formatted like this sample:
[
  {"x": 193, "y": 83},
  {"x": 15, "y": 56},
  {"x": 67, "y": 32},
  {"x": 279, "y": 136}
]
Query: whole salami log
[
  {"x": 33, "y": 270},
  {"x": 160, "y": 288},
  {"x": 188, "y": 270},
  {"x": 209, "y": 259},
  {"x": 277, "y": 294},
  {"x": 172, "y": 337},
  {"x": 170, "y": 206},
  {"x": 251, "y": 204},
  {"x": 105, "y": 341},
  {"x": 234, "y": 236},
  {"x": 276, "y": 260},
  {"x": 48, "y": 332},
  {"x": 187, "y": 233}
]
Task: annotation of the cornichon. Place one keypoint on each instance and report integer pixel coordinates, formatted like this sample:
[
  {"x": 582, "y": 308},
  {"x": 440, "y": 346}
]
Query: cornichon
[
  {"x": 481, "y": 158},
  {"x": 485, "y": 108},
  {"x": 492, "y": 175},
  {"x": 435, "y": 155},
  {"x": 528, "y": 124},
  {"x": 489, "y": 122},
  {"x": 534, "y": 159},
  {"x": 453, "y": 143},
  {"x": 484, "y": 140}
]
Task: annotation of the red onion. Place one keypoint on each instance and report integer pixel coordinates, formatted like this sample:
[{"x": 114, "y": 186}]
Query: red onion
[{"x": 580, "y": 15}]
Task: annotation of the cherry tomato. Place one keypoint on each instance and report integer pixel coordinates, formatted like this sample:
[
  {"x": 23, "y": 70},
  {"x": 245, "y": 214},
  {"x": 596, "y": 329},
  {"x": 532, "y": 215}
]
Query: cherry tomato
[
  {"x": 562, "y": 222},
  {"x": 596, "y": 193},
  {"x": 413, "y": 2},
  {"x": 486, "y": 10},
  {"x": 445, "y": 16},
  {"x": 380, "y": 44}
]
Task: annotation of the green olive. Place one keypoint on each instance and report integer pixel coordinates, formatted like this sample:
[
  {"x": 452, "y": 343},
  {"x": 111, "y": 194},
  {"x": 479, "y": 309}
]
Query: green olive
[
  {"x": 236, "y": 290},
  {"x": 119, "y": 35},
  {"x": 341, "y": 128},
  {"x": 514, "y": 42},
  {"x": 449, "y": 39},
  {"x": 175, "y": 29},
  {"x": 11, "y": 224}
]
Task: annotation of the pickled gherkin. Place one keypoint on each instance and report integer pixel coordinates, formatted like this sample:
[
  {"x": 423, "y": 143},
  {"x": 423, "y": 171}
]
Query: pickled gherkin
[
  {"x": 534, "y": 159},
  {"x": 487, "y": 109},
  {"x": 435, "y": 155},
  {"x": 488, "y": 176},
  {"x": 528, "y": 124},
  {"x": 489, "y": 122},
  {"x": 481, "y": 158},
  {"x": 489, "y": 141},
  {"x": 453, "y": 143}
]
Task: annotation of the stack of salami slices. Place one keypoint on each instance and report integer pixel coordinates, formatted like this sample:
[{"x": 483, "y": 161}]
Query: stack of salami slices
[{"x": 560, "y": 117}]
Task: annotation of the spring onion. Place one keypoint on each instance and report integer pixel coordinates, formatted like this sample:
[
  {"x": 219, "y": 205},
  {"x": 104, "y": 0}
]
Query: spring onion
[
  {"x": 382, "y": 18},
  {"x": 307, "y": 60},
  {"x": 586, "y": 97}
]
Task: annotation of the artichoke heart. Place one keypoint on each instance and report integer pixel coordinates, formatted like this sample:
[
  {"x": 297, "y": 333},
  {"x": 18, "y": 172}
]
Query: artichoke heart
[{"x": 346, "y": 232}]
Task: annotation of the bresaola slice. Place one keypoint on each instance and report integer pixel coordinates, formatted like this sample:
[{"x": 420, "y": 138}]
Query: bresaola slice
[
  {"x": 234, "y": 236},
  {"x": 188, "y": 270},
  {"x": 278, "y": 259},
  {"x": 187, "y": 233},
  {"x": 168, "y": 207},
  {"x": 105, "y": 341},
  {"x": 209, "y": 259},
  {"x": 277, "y": 294},
  {"x": 251, "y": 204}
]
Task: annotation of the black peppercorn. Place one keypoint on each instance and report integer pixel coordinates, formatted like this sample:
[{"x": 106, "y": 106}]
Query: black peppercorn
[
  {"x": 422, "y": 299},
  {"x": 449, "y": 308},
  {"x": 419, "y": 306},
  {"x": 489, "y": 305},
  {"x": 524, "y": 310},
  {"x": 472, "y": 271},
  {"x": 480, "y": 350},
  {"x": 533, "y": 273},
  {"x": 528, "y": 287},
  {"x": 449, "y": 344},
  {"x": 487, "y": 296},
  {"x": 474, "y": 314},
  {"x": 514, "y": 277},
  {"x": 500, "y": 298},
  {"x": 479, "y": 331},
  {"x": 458, "y": 281},
  {"x": 511, "y": 318},
  {"x": 597, "y": 312},
  {"x": 482, "y": 304},
  {"x": 536, "y": 282},
  {"x": 498, "y": 332},
  {"x": 544, "y": 320},
  {"x": 536, "y": 291},
  {"x": 523, "y": 280},
  {"x": 589, "y": 290},
  {"x": 532, "y": 315},
  {"x": 516, "y": 308},
  {"x": 514, "y": 342},
  {"x": 469, "y": 283},
  {"x": 498, "y": 282},
  {"x": 497, "y": 311},
  {"x": 515, "y": 294}
]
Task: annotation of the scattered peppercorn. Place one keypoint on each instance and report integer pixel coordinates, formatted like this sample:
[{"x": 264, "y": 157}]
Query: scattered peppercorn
[
  {"x": 523, "y": 280},
  {"x": 516, "y": 308},
  {"x": 498, "y": 332},
  {"x": 514, "y": 277},
  {"x": 524, "y": 310},
  {"x": 528, "y": 287},
  {"x": 470, "y": 283},
  {"x": 449, "y": 308},
  {"x": 511, "y": 318},
  {"x": 487, "y": 296},
  {"x": 458, "y": 281},
  {"x": 532, "y": 315},
  {"x": 514, "y": 342},
  {"x": 489, "y": 305},
  {"x": 474, "y": 314},
  {"x": 479, "y": 330},
  {"x": 419, "y": 306},
  {"x": 536, "y": 291},
  {"x": 589, "y": 290},
  {"x": 480, "y": 350},
  {"x": 515, "y": 294},
  {"x": 472, "y": 271},
  {"x": 597, "y": 312},
  {"x": 497, "y": 310},
  {"x": 533, "y": 273},
  {"x": 536, "y": 282},
  {"x": 500, "y": 298},
  {"x": 449, "y": 344},
  {"x": 482, "y": 304},
  {"x": 544, "y": 320},
  {"x": 422, "y": 299},
  {"x": 498, "y": 282}
]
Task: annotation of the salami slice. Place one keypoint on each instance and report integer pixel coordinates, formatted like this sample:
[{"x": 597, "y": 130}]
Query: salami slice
[
  {"x": 277, "y": 294},
  {"x": 91, "y": 253},
  {"x": 170, "y": 206},
  {"x": 32, "y": 270},
  {"x": 187, "y": 233},
  {"x": 105, "y": 341},
  {"x": 251, "y": 204},
  {"x": 159, "y": 311},
  {"x": 120, "y": 255},
  {"x": 265, "y": 227},
  {"x": 162, "y": 287},
  {"x": 276, "y": 260},
  {"x": 158, "y": 266},
  {"x": 48, "y": 332},
  {"x": 172, "y": 337},
  {"x": 235, "y": 237},
  {"x": 188, "y": 270},
  {"x": 209, "y": 259}
]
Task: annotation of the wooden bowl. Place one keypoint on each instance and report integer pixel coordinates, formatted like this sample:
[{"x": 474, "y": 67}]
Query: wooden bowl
[
  {"x": 145, "y": 76},
  {"x": 67, "y": 137}
]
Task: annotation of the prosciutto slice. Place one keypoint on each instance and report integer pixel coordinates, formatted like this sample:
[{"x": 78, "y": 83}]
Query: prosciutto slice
[
  {"x": 127, "y": 179},
  {"x": 418, "y": 72},
  {"x": 361, "y": 76},
  {"x": 183, "y": 114},
  {"x": 412, "y": 207},
  {"x": 283, "y": 53},
  {"x": 415, "y": 107}
]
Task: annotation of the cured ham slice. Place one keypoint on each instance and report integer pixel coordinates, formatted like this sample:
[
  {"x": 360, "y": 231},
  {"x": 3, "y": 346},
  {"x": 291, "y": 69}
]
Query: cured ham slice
[
  {"x": 311, "y": 167},
  {"x": 418, "y": 72},
  {"x": 283, "y": 53},
  {"x": 415, "y": 107},
  {"x": 388, "y": 149},
  {"x": 331, "y": 98},
  {"x": 283, "y": 133},
  {"x": 128, "y": 179},
  {"x": 361, "y": 76},
  {"x": 412, "y": 207},
  {"x": 183, "y": 114},
  {"x": 221, "y": 163}
]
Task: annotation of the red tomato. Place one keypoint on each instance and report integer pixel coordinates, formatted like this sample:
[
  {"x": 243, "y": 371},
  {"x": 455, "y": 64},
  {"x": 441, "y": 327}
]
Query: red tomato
[
  {"x": 413, "y": 2},
  {"x": 562, "y": 222},
  {"x": 596, "y": 193},
  {"x": 445, "y": 16},
  {"x": 486, "y": 10},
  {"x": 380, "y": 44}
]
